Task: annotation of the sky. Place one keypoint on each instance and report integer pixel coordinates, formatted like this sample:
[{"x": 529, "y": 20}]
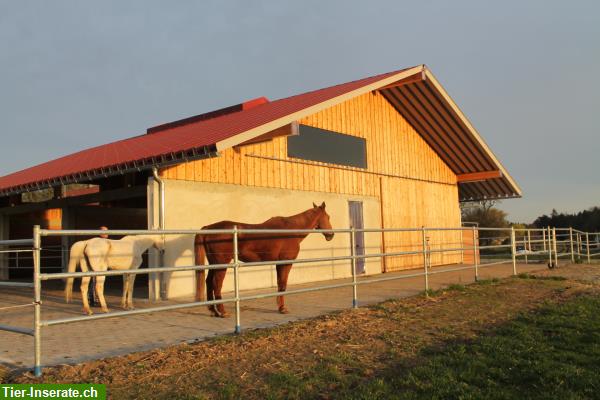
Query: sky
[{"x": 77, "y": 74}]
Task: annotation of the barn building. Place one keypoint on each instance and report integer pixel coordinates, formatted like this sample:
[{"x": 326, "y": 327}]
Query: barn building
[{"x": 388, "y": 151}]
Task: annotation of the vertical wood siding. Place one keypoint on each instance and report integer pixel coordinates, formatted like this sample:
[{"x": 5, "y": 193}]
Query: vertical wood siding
[{"x": 418, "y": 188}]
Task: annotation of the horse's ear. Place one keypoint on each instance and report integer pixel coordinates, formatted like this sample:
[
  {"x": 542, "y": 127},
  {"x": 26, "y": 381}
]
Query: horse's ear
[
  {"x": 314, "y": 205},
  {"x": 323, "y": 205}
]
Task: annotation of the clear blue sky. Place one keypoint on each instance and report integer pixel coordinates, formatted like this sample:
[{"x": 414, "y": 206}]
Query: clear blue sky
[{"x": 76, "y": 74}]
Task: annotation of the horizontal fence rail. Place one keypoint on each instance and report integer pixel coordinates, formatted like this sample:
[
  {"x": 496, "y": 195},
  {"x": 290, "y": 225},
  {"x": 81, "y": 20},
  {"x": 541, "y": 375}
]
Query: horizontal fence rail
[
  {"x": 5, "y": 248},
  {"x": 486, "y": 246}
]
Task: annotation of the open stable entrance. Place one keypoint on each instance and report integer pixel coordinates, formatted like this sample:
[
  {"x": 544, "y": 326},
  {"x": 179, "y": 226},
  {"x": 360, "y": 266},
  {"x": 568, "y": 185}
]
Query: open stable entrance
[{"x": 117, "y": 203}]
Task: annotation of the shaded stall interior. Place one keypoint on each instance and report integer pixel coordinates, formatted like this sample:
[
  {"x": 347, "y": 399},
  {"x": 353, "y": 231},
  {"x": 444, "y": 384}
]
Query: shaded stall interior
[{"x": 117, "y": 202}]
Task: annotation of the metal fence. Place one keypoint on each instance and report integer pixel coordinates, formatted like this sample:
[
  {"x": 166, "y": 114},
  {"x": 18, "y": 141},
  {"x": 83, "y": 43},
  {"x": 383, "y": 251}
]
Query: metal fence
[{"x": 487, "y": 247}]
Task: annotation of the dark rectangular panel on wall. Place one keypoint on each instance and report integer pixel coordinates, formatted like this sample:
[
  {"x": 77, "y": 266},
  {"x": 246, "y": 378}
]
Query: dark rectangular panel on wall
[{"x": 327, "y": 146}]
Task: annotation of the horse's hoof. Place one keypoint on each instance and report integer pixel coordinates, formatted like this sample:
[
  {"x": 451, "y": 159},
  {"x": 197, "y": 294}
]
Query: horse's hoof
[
  {"x": 284, "y": 310},
  {"x": 87, "y": 312},
  {"x": 217, "y": 314}
]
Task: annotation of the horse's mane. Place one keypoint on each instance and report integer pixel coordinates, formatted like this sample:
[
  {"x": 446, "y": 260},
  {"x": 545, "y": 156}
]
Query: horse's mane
[{"x": 287, "y": 221}]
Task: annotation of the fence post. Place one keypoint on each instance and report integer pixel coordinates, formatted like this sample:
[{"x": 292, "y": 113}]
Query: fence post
[
  {"x": 544, "y": 238},
  {"x": 528, "y": 240},
  {"x": 425, "y": 261},
  {"x": 587, "y": 247},
  {"x": 475, "y": 253},
  {"x": 236, "y": 279},
  {"x": 554, "y": 247},
  {"x": 525, "y": 247},
  {"x": 571, "y": 240},
  {"x": 37, "y": 303},
  {"x": 353, "y": 262},
  {"x": 513, "y": 248},
  {"x": 549, "y": 247}
]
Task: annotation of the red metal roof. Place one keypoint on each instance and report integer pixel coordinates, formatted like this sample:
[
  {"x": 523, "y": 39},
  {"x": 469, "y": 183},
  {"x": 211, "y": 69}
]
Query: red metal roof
[{"x": 168, "y": 140}]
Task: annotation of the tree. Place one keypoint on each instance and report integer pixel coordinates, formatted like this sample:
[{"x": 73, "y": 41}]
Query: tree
[
  {"x": 485, "y": 215},
  {"x": 587, "y": 220}
]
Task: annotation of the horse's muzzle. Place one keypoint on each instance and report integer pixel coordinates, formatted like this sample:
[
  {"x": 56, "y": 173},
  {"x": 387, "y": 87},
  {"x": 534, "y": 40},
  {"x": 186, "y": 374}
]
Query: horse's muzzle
[{"x": 328, "y": 236}]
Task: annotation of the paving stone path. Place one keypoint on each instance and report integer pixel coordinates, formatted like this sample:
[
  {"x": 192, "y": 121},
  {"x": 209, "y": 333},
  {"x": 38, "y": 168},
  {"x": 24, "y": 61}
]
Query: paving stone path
[{"x": 76, "y": 342}]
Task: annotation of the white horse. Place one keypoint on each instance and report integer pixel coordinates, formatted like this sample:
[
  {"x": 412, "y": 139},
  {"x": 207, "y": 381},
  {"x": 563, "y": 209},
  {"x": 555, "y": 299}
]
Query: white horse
[{"x": 99, "y": 254}]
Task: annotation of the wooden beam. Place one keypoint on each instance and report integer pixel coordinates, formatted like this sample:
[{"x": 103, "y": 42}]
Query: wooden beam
[
  {"x": 109, "y": 195},
  {"x": 478, "y": 176},
  {"x": 286, "y": 130},
  {"x": 411, "y": 79}
]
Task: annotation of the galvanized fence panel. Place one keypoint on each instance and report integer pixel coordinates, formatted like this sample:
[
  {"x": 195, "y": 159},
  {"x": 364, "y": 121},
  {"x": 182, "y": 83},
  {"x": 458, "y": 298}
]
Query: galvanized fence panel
[{"x": 426, "y": 246}]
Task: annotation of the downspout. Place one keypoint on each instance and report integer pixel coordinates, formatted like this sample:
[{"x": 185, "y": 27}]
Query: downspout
[
  {"x": 161, "y": 198},
  {"x": 161, "y": 225}
]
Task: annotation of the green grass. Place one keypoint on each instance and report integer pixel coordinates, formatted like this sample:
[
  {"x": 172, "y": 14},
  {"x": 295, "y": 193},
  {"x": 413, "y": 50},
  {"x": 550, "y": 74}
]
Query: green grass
[
  {"x": 552, "y": 353},
  {"x": 484, "y": 282},
  {"x": 543, "y": 278},
  {"x": 455, "y": 287}
]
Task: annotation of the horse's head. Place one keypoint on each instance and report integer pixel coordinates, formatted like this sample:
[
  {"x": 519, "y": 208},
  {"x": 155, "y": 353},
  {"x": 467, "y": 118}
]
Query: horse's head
[{"x": 323, "y": 221}]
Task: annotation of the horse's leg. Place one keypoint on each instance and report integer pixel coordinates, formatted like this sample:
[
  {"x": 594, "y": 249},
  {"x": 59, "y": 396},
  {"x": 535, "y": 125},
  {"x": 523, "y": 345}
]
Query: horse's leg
[
  {"x": 283, "y": 272},
  {"x": 218, "y": 278},
  {"x": 200, "y": 277},
  {"x": 100, "y": 292},
  {"x": 210, "y": 292},
  {"x": 85, "y": 282},
  {"x": 124, "y": 296},
  {"x": 130, "y": 287}
]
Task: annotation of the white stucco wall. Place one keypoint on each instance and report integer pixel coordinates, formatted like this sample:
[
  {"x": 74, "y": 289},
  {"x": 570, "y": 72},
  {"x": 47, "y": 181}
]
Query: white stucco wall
[{"x": 192, "y": 205}]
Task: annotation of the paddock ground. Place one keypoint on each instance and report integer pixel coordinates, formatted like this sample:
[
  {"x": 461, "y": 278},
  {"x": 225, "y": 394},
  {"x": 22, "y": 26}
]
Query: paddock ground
[{"x": 90, "y": 340}]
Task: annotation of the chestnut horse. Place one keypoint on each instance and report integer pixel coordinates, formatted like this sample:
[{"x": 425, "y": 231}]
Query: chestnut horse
[{"x": 218, "y": 249}]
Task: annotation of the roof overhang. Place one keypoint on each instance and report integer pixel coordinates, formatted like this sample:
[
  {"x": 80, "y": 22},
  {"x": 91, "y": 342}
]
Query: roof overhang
[
  {"x": 425, "y": 104},
  {"x": 160, "y": 161}
]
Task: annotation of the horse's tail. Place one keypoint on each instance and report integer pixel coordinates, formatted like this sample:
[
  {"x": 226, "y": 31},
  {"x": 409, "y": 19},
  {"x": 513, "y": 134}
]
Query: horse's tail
[
  {"x": 76, "y": 255},
  {"x": 200, "y": 257}
]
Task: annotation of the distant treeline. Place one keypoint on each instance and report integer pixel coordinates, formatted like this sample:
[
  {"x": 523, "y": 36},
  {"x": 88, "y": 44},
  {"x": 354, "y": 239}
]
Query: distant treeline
[{"x": 587, "y": 221}]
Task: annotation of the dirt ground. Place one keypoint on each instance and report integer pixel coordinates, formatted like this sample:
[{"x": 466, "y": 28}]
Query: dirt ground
[{"x": 354, "y": 342}]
